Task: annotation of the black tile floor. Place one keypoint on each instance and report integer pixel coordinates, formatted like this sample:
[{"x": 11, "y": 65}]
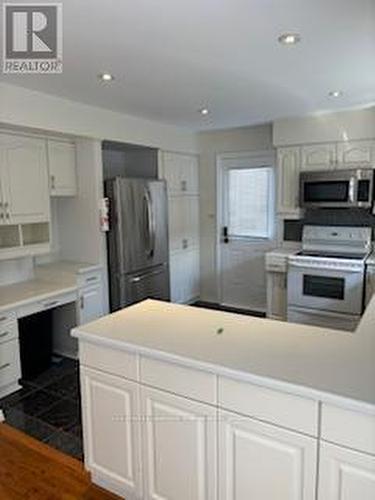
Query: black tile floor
[{"x": 48, "y": 407}]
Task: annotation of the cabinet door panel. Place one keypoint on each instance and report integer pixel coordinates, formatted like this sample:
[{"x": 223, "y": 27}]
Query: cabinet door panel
[
  {"x": 62, "y": 168},
  {"x": 90, "y": 303},
  {"x": 25, "y": 180},
  {"x": 185, "y": 276},
  {"x": 179, "y": 440},
  {"x": 318, "y": 157},
  {"x": 345, "y": 474},
  {"x": 288, "y": 168},
  {"x": 258, "y": 461},
  {"x": 356, "y": 152},
  {"x": 276, "y": 296},
  {"x": 181, "y": 173},
  {"x": 111, "y": 431}
]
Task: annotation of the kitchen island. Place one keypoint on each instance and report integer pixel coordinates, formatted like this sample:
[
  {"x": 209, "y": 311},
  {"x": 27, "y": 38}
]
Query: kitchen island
[{"x": 186, "y": 403}]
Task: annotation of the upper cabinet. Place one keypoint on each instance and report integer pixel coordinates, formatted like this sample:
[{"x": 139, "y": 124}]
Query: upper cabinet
[
  {"x": 288, "y": 169},
  {"x": 181, "y": 173},
  {"x": 361, "y": 153},
  {"x": 62, "y": 168},
  {"x": 24, "y": 180},
  {"x": 318, "y": 157}
]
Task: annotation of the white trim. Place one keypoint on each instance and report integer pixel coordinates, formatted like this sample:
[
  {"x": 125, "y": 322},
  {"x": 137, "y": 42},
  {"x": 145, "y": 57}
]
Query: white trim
[{"x": 264, "y": 158}]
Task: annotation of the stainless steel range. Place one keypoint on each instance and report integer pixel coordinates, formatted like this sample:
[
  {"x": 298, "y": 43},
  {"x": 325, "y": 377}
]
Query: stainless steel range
[{"x": 326, "y": 279}]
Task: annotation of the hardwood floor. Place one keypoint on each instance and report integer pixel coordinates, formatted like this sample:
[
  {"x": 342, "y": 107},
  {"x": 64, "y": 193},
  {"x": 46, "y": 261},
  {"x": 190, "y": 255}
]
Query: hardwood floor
[{"x": 32, "y": 470}]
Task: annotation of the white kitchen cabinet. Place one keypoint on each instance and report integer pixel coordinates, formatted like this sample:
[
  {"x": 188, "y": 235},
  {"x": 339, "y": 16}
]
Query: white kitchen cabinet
[
  {"x": 262, "y": 461},
  {"x": 184, "y": 276},
  {"x": 183, "y": 223},
  {"x": 112, "y": 432},
  {"x": 179, "y": 447},
  {"x": 277, "y": 295},
  {"x": 345, "y": 474},
  {"x": 10, "y": 365},
  {"x": 356, "y": 153},
  {"x": 318, "y": 156},
  {"x": 288, "y": 169},
  {"x": 24, "y": 180},
  {"x": 181, "y": 173},
  {"x": 62, "y": 168},
  {"x": 90, "y": 303}
]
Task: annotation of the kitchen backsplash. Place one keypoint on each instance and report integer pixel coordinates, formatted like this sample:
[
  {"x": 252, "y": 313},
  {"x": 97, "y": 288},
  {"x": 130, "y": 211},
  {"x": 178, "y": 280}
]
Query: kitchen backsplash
[{"x": 328, "y": 217}]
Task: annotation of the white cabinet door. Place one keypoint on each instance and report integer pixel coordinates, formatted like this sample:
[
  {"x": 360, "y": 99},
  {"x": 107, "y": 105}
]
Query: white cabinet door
[
  {"x": 258, "y": 461},
  {"x": 179, "y": 448},
  {"x": 183, "y": 223},
  {"x": 111, "y": 430},
  {"x": 276, "y": 296},
  {"x": 288, "y": 168},
  {"x": 345, "y": 474},
  {"x": 185, "y": 276},
  {"x": 62, "y": 168},
  {"x": 318, "y": 157},
  {"x": 181, "y": 173},
  {"x": 90, "y": 304},
  {"x": 24, "y": 179},
  {"x": 355, "y": 153}
]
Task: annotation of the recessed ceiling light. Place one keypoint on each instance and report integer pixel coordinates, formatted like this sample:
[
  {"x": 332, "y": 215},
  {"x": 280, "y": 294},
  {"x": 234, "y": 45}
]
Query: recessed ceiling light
[
  {"x": 289, "y": 38},
  {"x": 204, "y": 111},
  {"x": 106, "y": 77},
  {"x": 335, "y": 93}
]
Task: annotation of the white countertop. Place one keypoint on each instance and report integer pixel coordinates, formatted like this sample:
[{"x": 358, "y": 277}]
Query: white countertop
[
  {"x": 323, "y": 364},
  {"x": 49, "y": 280}
]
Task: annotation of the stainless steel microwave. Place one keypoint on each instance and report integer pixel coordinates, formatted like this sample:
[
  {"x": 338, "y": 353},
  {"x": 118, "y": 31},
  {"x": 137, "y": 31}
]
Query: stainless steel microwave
[{"x": 341, "y": 188}]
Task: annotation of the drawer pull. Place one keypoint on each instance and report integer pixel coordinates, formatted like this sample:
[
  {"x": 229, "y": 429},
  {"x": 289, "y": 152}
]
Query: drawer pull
[
  {"x": 3, "y": 318},
  {"x": 6, "y": 365},
  {"x": 51, "y": 304},
  {"x": 4, "y": 334},
  {"x": 92, "y": 278}
]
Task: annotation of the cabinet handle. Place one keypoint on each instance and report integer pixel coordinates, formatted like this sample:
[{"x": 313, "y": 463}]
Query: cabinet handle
[
  {"x": 3, "y": 318},
  {"x": 185, "y": 243},
  {"x": 6, "y": 365},
  {"x": 52, "y": 182},
  {"x": 183, "y": 185},
  {"x": 82, "y": 302},
  {"x": 51, "y": 304},
  {"x": 92, "y": 278},
  {"x": 4, "y": 334}
]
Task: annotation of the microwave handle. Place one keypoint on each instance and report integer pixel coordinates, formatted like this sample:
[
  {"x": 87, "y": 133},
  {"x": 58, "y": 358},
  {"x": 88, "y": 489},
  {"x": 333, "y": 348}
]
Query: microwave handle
[{"x": 352, "y": 184}]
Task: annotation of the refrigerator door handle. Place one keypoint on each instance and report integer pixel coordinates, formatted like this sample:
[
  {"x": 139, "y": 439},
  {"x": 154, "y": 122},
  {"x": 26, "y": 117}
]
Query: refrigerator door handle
[
  {"x": 140, "y": 277},
  {"x": 148, "y": 223}
]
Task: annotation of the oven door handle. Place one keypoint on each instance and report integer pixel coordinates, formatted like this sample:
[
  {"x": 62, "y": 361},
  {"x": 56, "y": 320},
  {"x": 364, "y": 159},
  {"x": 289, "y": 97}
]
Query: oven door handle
[{"x": 326, "y": 268}]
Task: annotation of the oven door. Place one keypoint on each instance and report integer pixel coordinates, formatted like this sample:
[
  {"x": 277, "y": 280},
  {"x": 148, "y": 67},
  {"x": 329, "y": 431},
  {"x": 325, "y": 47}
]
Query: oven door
[{"x": 326, "y": 289}]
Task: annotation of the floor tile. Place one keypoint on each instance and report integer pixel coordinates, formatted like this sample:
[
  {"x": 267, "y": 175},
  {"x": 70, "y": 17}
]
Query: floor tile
[
  {"x": 15, "y": 397},
  {"x": 76, "y": 430},
  {"x": 37, "y": 402},
  {"x": 55, "y": 372},
  {"x": 63, "y": 415},
  {"x": 67, "y": 443},
  {"x": 66, "y": 386},
  {"x": 30, "y": 425}
]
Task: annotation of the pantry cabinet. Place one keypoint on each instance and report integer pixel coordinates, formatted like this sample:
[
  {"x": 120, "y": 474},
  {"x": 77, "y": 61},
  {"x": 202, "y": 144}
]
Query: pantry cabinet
[
  {"x": 345, "y": 474},
  {"x": 318, "y": 157},
  {"x": 179, "y": 447},
  {"x": 24, "y": 180},
  {"x": 257, "y": 460},
  {"x": 62, "y": 168},
  {"x": 288, "y": 169},
  {"x": 181, "y": 174},
  {"x": 111, "y": 426}
]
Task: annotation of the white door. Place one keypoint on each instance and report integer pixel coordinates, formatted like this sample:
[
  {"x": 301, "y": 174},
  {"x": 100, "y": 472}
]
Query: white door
[
  {"x": 111, "y": 430},
  {"x": 247, "y": 228},
  {"x": 259, "y": 461},
  {"x": 318, "y": 157},
  {"x": 179, "y": 447},
  {"x": 345, "y": 474},
  {"x": 24, "y": 179},
  {"x": 62, "y": 168},
  {"x": 90, "y": 304}
]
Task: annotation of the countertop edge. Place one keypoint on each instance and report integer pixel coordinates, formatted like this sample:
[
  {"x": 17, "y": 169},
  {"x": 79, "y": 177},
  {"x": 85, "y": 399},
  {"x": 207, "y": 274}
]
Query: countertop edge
[
  {"x": 38, "y": 298},
  {"x": 260, "y": 380}
]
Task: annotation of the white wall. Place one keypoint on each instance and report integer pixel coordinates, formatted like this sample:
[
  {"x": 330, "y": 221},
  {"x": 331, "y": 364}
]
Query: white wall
[
  {"x": 257, "y": 138},
  {"x": 26, "y": 108},
  {"x": 327, "y": 127}
]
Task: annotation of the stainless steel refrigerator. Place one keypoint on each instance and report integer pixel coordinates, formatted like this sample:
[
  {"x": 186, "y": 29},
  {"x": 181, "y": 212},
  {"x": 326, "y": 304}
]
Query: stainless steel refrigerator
[{"x": 137, "y": 240}]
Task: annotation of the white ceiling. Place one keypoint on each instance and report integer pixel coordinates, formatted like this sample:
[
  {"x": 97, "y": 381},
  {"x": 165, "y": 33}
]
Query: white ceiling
[{"x": 171, "y": 57}]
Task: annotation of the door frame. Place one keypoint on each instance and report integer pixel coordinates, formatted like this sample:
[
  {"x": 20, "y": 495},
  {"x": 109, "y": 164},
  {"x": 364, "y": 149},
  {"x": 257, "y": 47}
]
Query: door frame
[{"x": 253, "y": 159}]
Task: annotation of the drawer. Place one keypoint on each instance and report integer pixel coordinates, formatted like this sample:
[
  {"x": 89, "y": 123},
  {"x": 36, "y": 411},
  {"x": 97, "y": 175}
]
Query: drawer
[
  {"x": 280, "y": 408},
  {"x": 10, "y": 370},
  {"x": 8, "y": 331},
  {"x": 44, "y": 305},
  {"x": 115, "y": 362},
  {"x": 348, "y": 428},
  {"x": 194, "y": 384},
  {"x": 89, "y": 278}
]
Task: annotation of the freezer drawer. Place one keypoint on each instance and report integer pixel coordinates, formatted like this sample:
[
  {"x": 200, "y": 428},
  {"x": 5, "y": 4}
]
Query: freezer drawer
[{"x": 151, "y": 283}]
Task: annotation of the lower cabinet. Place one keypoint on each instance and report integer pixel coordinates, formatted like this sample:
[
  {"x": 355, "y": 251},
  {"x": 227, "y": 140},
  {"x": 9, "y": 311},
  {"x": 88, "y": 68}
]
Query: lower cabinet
[
  {"x": 345, "y": 474},
  {"x": 90, "y": 303},
  {"x": 111, "y": 426},
  {"x": 179, "y": 447},
  {"x": 184, "y": 276},
  {"x": 259, "y": 461},
  {"x": 277, "y": 296}
]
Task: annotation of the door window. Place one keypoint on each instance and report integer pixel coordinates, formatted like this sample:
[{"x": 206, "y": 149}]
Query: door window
[{"x": 250, "y": 203}]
